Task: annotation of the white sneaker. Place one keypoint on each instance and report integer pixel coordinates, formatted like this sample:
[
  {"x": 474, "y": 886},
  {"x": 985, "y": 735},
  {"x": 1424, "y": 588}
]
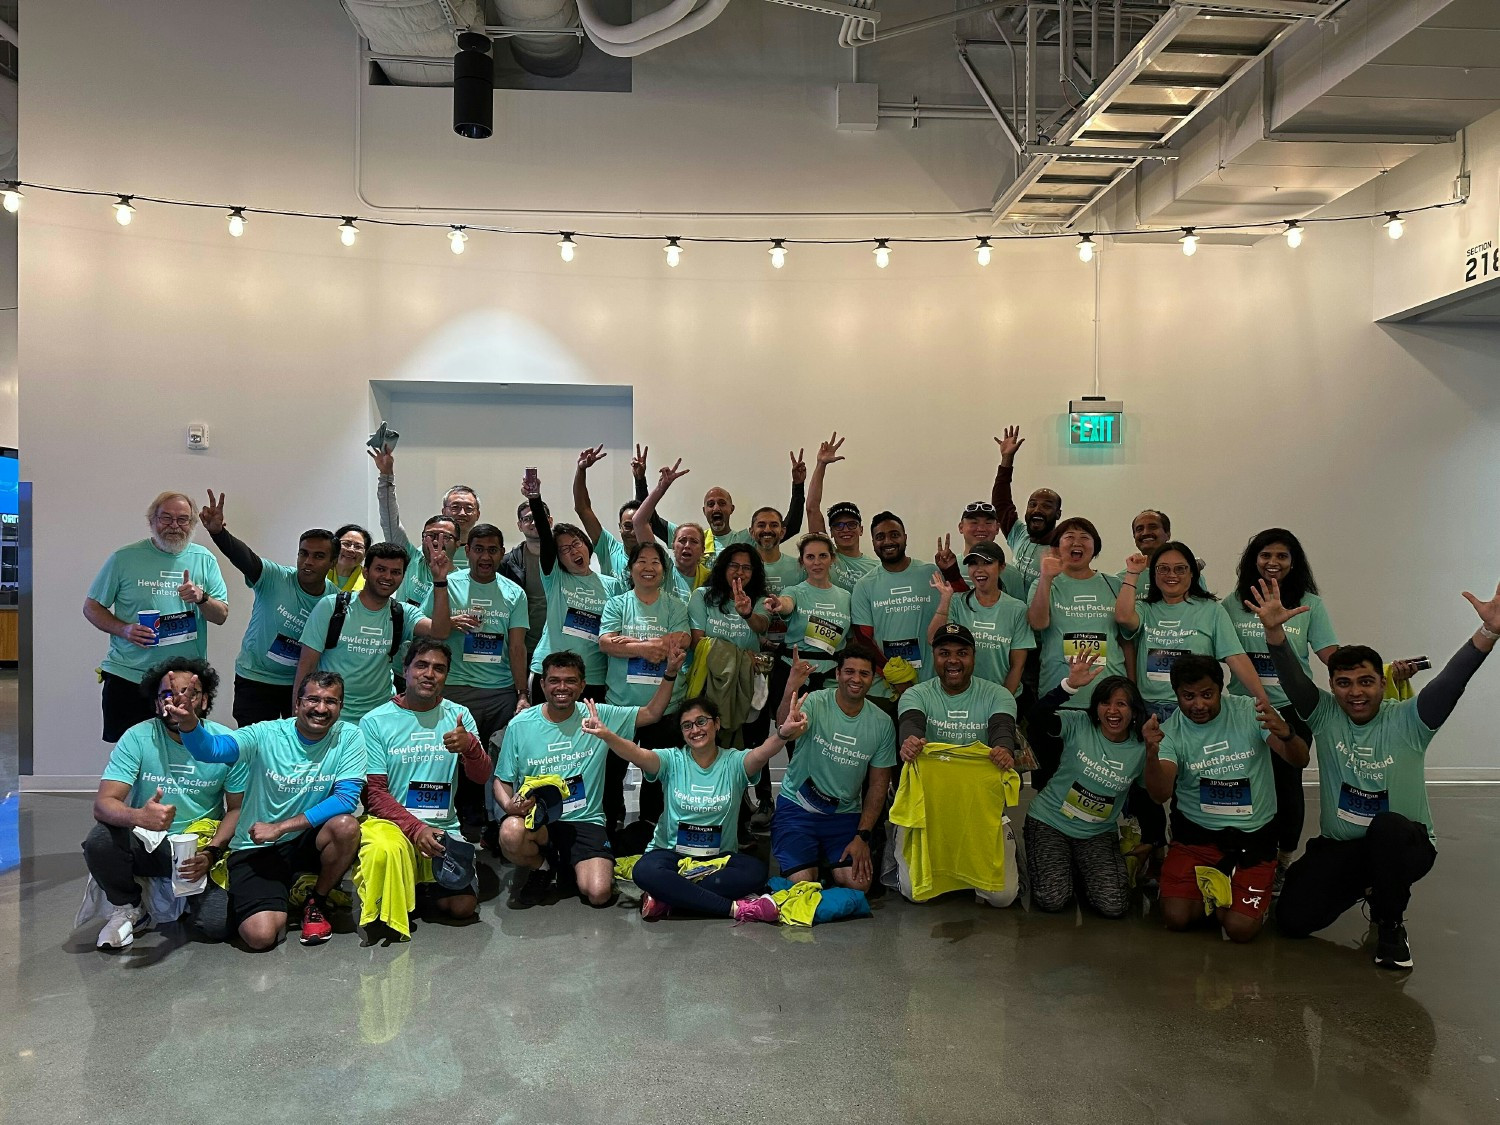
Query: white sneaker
[{"x": 119, "y": 928}]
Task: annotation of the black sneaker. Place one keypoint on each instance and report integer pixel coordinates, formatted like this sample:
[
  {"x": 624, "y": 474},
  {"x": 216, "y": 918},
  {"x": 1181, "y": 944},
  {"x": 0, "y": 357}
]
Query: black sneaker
[
  {"x": 1392, "y": 950},
  {"x": 531, "y": 892}
]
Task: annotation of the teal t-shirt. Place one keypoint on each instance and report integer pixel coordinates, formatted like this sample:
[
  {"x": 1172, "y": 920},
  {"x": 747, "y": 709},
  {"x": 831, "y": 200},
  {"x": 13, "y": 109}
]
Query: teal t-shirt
[
  {"x": 273, "y": 638},
  {"x": 614, "y": 560},
  {"x": 633, "y": 680},
  {"x": 998, "y": 631},
  {"x": 847, "y": 570},
  {"x": 781, "y": 576},
  {"x": 1084, "y": 797},
  {"x": 144, "y": 577},
  {"x": 1223, "y": 767},
  {"x": 1370, "y": 769},
  {"x": 575, "y": 607},
  {"x": 1141, "y": 586},
  {"x": 898, "y": 606},
  {"x": 819, "y": 623},
  {"x": 407, "y": 746},
  {"x": 481, "y": 659},
  {"x": 679, "y": 585},
  {"x": 285, "y": 776},
  {"x": 701, "y": 806},
  {"x": 1306, "y": 633},
  {"x": 1167, "y": 632},
  {"x": 713, "y": 544},
  {"x": 721, "y": 623},
  {"x": 534, "y": 745},
  {"x": 959, "y": 719},
  {"x": 147, "y": 758},
  {"x": 417, "y": 584},
  {"x": 1082, "y": 621},
  {"x": 836, "y": 754},
  {"x": 1024, "y": 566},
  {"x": 362, "y": 654}
]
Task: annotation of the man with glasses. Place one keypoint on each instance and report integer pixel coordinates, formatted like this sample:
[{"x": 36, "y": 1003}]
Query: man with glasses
[
  {"x": 160, "y": 592},
  {"x": 978, "y": 523},
  {"x": 460, "y": 504},
  {"x": 523, "y": 566}
]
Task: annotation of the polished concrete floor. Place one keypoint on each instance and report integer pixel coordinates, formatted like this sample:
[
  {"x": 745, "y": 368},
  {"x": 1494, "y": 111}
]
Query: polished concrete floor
[{"x": 949, "y": 1012}]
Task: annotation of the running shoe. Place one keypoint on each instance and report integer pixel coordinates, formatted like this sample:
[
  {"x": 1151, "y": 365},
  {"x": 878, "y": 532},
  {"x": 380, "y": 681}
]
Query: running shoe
[
  {"x": 532, "y": 891},
  {"x": 653, "y": 909},
  {"x": 757, "y": 908},
  {"x": 1392, "y": 950},
  {"x": 316, "y": 929}
]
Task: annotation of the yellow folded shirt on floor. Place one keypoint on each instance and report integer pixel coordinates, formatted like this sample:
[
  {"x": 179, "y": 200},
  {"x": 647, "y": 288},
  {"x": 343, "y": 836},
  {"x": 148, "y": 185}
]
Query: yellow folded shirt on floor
[{"x": 798, "y": 903}]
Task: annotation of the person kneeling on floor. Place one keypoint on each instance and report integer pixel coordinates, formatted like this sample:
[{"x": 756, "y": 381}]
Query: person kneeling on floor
[
  {"x": 151, "y": 791},
  {"x": 302, "y": 780},
  {"x": 1215, "y": 754}
]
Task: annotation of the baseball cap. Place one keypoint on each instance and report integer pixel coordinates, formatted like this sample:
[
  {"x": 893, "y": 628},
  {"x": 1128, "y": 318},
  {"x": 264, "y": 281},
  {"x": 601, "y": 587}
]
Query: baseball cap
[
  {"x": 953, "y": 634},
  {"x": 844, "y": 508},
  {"x": 454, "y": 869},
  {"x": 980, "y": 510},
  {"x": 984, "y": 552}
]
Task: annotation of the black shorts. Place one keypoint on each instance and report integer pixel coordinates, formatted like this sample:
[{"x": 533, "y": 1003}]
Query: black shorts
[
  {"x": 574, "y": 842},
  {"x": 255, "y": 702},
  {"x": 261, "y": 878},
  {"x": 124, "y": 706}
]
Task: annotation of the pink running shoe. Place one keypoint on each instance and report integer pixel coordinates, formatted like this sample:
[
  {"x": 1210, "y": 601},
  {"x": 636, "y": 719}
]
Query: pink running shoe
[
  {"x": 760, "y": 908},
  {"x": 654, "y": 910}
]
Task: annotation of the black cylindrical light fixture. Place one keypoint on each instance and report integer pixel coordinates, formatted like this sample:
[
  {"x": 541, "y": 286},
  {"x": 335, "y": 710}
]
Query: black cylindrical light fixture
[{"x": 473, "y": 87}]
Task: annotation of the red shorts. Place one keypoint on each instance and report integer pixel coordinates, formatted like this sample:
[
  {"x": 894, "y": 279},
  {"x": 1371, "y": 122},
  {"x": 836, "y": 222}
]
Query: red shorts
[{"x": 1252, "y": 885}]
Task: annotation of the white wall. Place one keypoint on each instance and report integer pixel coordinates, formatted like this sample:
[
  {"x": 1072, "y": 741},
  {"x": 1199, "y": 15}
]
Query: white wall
[{"x": 1258, "y": 391}]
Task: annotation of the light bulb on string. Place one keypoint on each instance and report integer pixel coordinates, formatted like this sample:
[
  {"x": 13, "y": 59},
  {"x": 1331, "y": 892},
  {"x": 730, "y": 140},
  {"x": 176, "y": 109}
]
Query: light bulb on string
[
  {"x": 348, "y": 232},
  {"x": 778, "y": 254},
  {"x": 1293, "y": 234},
  {"x": 566, "y": 246},
  {"x": 12, "y": 196},
  {"x": 674, "y": 252},
  {"x": 236, "y": 222},
  {"x": 124, "y": 212},
  {"x": 1189, "y": 241},
  {"x": 882, "y": 253},
  {"x": 1395, "y": 225},
  {"x": 982, "y": 251},
  {"x": 456, "y": 239},
  {"x": 1086, "y": 248}
]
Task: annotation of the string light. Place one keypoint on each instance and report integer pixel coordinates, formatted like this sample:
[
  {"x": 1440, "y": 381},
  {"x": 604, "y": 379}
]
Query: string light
[
  {"x": 1086, "y": 248},
  {"x": 982, "y": 251},
  {"x": 456, "y": 239},
  {"x": 882, "y": 253},
  {"x": 348, "y": 232},
  {"x": 124, "y": 212},
  {"x": 674, "y": 252},
  {"x": 778, "y": 253},
  {"x": 1189, "y": 241},
  {"x": 236, "y": 222},
  {"x": 12, "y": 196},
  {"x": 567, "y": 247},
  {"x": 1395, "y": 225},
  {"x": 1294, "y": 234}
]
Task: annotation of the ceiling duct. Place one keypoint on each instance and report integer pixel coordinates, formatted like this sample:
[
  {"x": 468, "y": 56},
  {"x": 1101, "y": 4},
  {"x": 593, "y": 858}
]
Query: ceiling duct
[{"x": 413, "y": 30}]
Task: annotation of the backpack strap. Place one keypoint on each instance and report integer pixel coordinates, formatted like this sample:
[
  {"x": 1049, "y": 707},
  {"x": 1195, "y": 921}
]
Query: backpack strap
[
  {"x": 398, "y": 625},
  {"x": 336, "y": 621}
]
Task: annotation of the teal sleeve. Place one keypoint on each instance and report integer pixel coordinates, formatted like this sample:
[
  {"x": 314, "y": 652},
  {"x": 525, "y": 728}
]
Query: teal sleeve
[
  {"x": 106, "y": 584},
  {"x": 238, "y": 779},
  {"x": 885, "y": 753},
  {"x": 612, "y": 620},
  {"x": 124, "y": 763},
  {"x": 664, "y": 767},
  {"x": 376, "y": 760},
  {"x": 213, "y": 583},
  {"x": 859, "y": 605},
  {"x": 352, "y": 758},
  {"x": 1320, "y": 632},
  {"x": 621, "y": 720},
  {"x": 315, "y": 632},
  {"x": 698, "y": 611},
  {"x": 1023, "y": 635},
  {"x": 1226, "y": 637}
]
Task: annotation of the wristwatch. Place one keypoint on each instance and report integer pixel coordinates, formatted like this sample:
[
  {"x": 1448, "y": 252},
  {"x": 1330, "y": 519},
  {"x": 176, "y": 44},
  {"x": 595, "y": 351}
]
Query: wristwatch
[
  {"x": 865, "y": 834},
  {"x": 215, "y": 853}
]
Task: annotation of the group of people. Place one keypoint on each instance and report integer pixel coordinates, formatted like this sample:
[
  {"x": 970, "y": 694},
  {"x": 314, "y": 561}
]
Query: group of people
[{"x": 463, "y": 696}]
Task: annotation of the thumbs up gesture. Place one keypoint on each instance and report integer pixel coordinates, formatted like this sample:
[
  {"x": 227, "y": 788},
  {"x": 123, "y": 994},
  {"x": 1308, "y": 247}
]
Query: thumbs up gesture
[
  {"x": 189, "y": 591},
  {"x": 456, "y": 741},
  {"x": 155, "y": 816}
]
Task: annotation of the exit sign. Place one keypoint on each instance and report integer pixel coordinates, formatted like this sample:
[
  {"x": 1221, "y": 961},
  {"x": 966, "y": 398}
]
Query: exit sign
[{"x": 1094, "y": 421}]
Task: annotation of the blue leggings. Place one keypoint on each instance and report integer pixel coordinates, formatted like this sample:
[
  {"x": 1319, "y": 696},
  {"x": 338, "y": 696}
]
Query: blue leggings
[{"x": 656, "y": 874}]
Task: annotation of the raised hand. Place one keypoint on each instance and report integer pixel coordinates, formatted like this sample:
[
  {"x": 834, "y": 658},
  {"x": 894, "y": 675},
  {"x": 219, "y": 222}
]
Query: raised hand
[
  {"x": 939, "y": 583},
  {"x": 590, "y": 723},
  {"x": 385, "y": 460},
  {"x": 828, "y": 451},
  {"x": 796, "y": 721},
  {"x": 742, "y": 603},
  {"x": 182, "y": 716},
  {"x": 1151, "y": 734},
  {"x": 440, "y": 565},
  {"x": 676, "y": 659},
  {"x": 456, "y": 740},
  {"x": 1010, "y": 444},
  {"x": 800, "y": 673},
  {"x": 1271, "y": 720},
  {"x": 1402, "y": 671},
  {"x": 154, "y": 816},
  {"x": 211, "y": 515},
  {"x": 1083, "y": 669},
  {"x": 638, "y": 462},
  {"x": 189, "y": 591},
  {"x": 591, "y": 457},
  {"x": 1050, "y": 564},
  {"x": 1265, "y": 603},
  {"x": 531, "y": 486},
  {"x": 670, "y": 474},
  {"x": 1489, "y": 612},
  {"x": 945, "y": 556},
  {"x": 912, "y": 747},
  {"x": 799, "y": 466},
  {"x": 1136, "y": 563}
]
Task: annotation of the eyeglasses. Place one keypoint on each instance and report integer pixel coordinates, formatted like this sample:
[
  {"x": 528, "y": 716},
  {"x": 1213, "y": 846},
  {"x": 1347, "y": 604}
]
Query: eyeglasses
[
  {"x": 696, "y": 724},
  {"x": 459, "y": 508},
  {"x": 440, "y": 536},
  {"x": 1175, "y": 571},
  {"x": 352, "y": 544},
  {"x": 979, "y": 510},
  {"x": 746, "y": 567},
  {"x": 844, "y": 525},
  {"x": 174, "y": 521}
]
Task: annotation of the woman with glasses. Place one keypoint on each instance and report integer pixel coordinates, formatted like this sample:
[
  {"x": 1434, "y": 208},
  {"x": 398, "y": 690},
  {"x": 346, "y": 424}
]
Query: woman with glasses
[
  {"x": 1177, "y": 617},
  {"x": 694, "y": 865},
  {"x": 348, "y": 571},
  {"x": 725, "y": 608}
]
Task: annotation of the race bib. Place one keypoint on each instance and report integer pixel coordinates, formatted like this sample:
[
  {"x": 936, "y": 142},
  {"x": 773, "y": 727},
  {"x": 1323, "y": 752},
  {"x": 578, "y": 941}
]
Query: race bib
[
  {"x": 1225, "y": 796},
  {"x": 1159, "y": 663},
  {"x": 1095, "y": 645},
  {"x": 822, "y": 634},
  {"x": 699, "y": 839},
  {"x": 582, "y": 624},
  {"x": 1265, "y": 668},
  {"x": 284, "y": 650},
  {"x": 817, "y": 800},
  {"x": 181, "y": 628},
  {"x": 428, "y": 800},
  {"x": 484, "y": 648},
  {"x": 639, "y": 670},
  {"x": 577, "y": 797},
  {"x": 1086, "y": 805},
  {"x": 1360, "y": 806},
  {"x": 908, "y": 650}
]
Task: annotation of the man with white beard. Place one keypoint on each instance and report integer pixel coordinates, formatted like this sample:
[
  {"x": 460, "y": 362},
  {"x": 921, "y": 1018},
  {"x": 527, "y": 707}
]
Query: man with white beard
[{"x": 173, "y": 581}]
